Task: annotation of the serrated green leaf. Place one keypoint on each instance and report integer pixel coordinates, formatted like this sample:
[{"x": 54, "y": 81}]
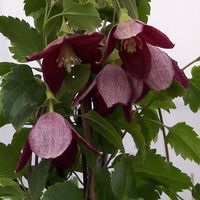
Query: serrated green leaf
[
  {"x": 103, "y": 185},
  {"x": 21, "y": 94},
  {"x": 38, "y": 179},
  {"x": 31, "y": 6},
  {"x": 184, "y": 141},
  {"x": 155, "y": 168},
  {"x": 14, "y": 29},
  {"x": 8, "y": 160},
  {"x": 143, "y": 9},
  {"x": 123, "y": 179},
  {"x": 196, "y": 192},
  {"x": 63, "y": 191},
  {"x": 83, "y": 16},
  {"x": 103, "y": 127},
  {"x": 163, "y": 99}
]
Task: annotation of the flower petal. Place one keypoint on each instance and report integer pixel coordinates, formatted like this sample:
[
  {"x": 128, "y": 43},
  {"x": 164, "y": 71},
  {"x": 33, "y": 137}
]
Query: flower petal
[
  {"x": 67, "y": 158},
  {"x": 138, "y": 87},
  {"x": 162, "y": 72},
  {"x": 50, "y": 136},
  {"x": 155, "y": 37},
  {"x": 114, "y": 86},
  {"x": 24, "y": 157},
  {"x": 100, "y": 106},
  {"x": 82, "y": 140},
  {"x": 53, "y": 46},
  {"x": 110, "y": 45},
  {"x": 126, "y": 30},
  {"x": 180, "y": 75},
  {"x": 83, "y": 94},
  {"x": 137, "y": 64},
  {"x": 52, "y": 73},
  {"x": 92, "y": 39}
]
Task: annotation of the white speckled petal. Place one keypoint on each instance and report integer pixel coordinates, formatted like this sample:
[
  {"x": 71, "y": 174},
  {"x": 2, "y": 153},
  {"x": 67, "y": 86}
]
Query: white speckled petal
[
  {"x": 126, "y": 30},
  {"x": 162, "y": 72},
  {"x": 50, "y": 136},
  {"x": 114, "y": 86}
]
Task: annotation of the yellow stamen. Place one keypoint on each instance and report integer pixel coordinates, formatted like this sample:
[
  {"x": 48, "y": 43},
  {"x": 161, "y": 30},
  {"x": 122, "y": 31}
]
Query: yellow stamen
[{"x": 129, "y": 45}]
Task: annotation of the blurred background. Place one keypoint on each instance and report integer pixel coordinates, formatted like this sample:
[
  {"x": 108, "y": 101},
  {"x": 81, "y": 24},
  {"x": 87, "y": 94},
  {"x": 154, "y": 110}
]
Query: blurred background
[{"x": 180, "y": 21}]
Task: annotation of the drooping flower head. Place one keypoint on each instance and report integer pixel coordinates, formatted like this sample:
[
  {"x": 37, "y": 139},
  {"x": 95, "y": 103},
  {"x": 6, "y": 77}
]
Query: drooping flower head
[
  {"x": 112, "y": 86},
  {"x": 53, "y": 137},
  {"x": 65, "y": 52},
  {"x": 132, "y": 38}
]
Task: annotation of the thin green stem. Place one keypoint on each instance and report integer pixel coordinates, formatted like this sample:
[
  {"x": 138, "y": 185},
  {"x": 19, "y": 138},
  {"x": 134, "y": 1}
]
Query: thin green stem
[
  {"x": 192, "y": 62},
  {"x": 114, "y": 12},
  {"x": 164, "y": 134},
  {"x": 118, "y": 4},
  {"x": 158, "y": 122}
]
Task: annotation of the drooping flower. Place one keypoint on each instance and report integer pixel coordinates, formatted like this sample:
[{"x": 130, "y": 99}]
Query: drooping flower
[
  {"x": 53, "y": 137},
  {"x": 163, "y": 71},
  {"x": 112, "y": 86},
  {"x": 133, "y": 38},
  {"x": 65, "y": 52}
]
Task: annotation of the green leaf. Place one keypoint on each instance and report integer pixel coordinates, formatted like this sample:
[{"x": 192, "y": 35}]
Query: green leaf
[
  {"x": 10, "y": 189},
  {"x": 14, "y": 29},
  {"x": 163, "y": 99},
  {"x": 103, "y": 127},
  {"x": 19, "y": 139},
  {"x": 103, "y": 185},
  {"x": 31, "y": 6},
  {"x": 73, "y": 83},
  {"x": 67, "y": 4},
  {"x": 8, "y": 160},
  {"x": 123, "y": 179},
  {"x": 3, "y": 120},
  {"x": 21, "y": 94},
  {"x": 83, "y": 16},
  {"x": 6, "y": 67},
  {"x": 63, "y": 191},
  {"x": 196, "y": 192},
  {"x": 184, "y": 141},
  {"x": 192, "y": 94},
  {"x": 143, "y": 9},
  {"x": 131, "y": 8},
  {"x": 154, "y": 167},
  {"x": 38, "y": 179},
  {"x": 148, "y": 128},
  {"x": 192, "y": 97}
]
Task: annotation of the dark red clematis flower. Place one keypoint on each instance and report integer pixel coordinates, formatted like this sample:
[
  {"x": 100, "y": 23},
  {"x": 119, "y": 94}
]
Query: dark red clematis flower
[
  {"x": 53, "y": 137},
  {"x": 163, "y": 71},
  {"x": 133, "y": 38},
  {"x": 112, "y": 86},
  {"x": 65, "y": 52}
]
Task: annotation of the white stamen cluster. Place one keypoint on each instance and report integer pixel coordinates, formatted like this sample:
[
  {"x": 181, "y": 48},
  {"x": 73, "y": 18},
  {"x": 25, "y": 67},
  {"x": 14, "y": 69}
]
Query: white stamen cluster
[{"x": 67, "y": 58}]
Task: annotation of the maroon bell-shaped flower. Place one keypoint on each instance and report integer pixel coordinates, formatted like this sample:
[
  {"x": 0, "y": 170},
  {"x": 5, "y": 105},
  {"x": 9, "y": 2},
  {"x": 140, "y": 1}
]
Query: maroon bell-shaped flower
[
  {"x": 65, "y": 52},
  {"x": 163, "y": 71},
  {"x": 112, "y": 86},
  {"x": 53, "y": 137},
  {"x": 133, "y": 38}
]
